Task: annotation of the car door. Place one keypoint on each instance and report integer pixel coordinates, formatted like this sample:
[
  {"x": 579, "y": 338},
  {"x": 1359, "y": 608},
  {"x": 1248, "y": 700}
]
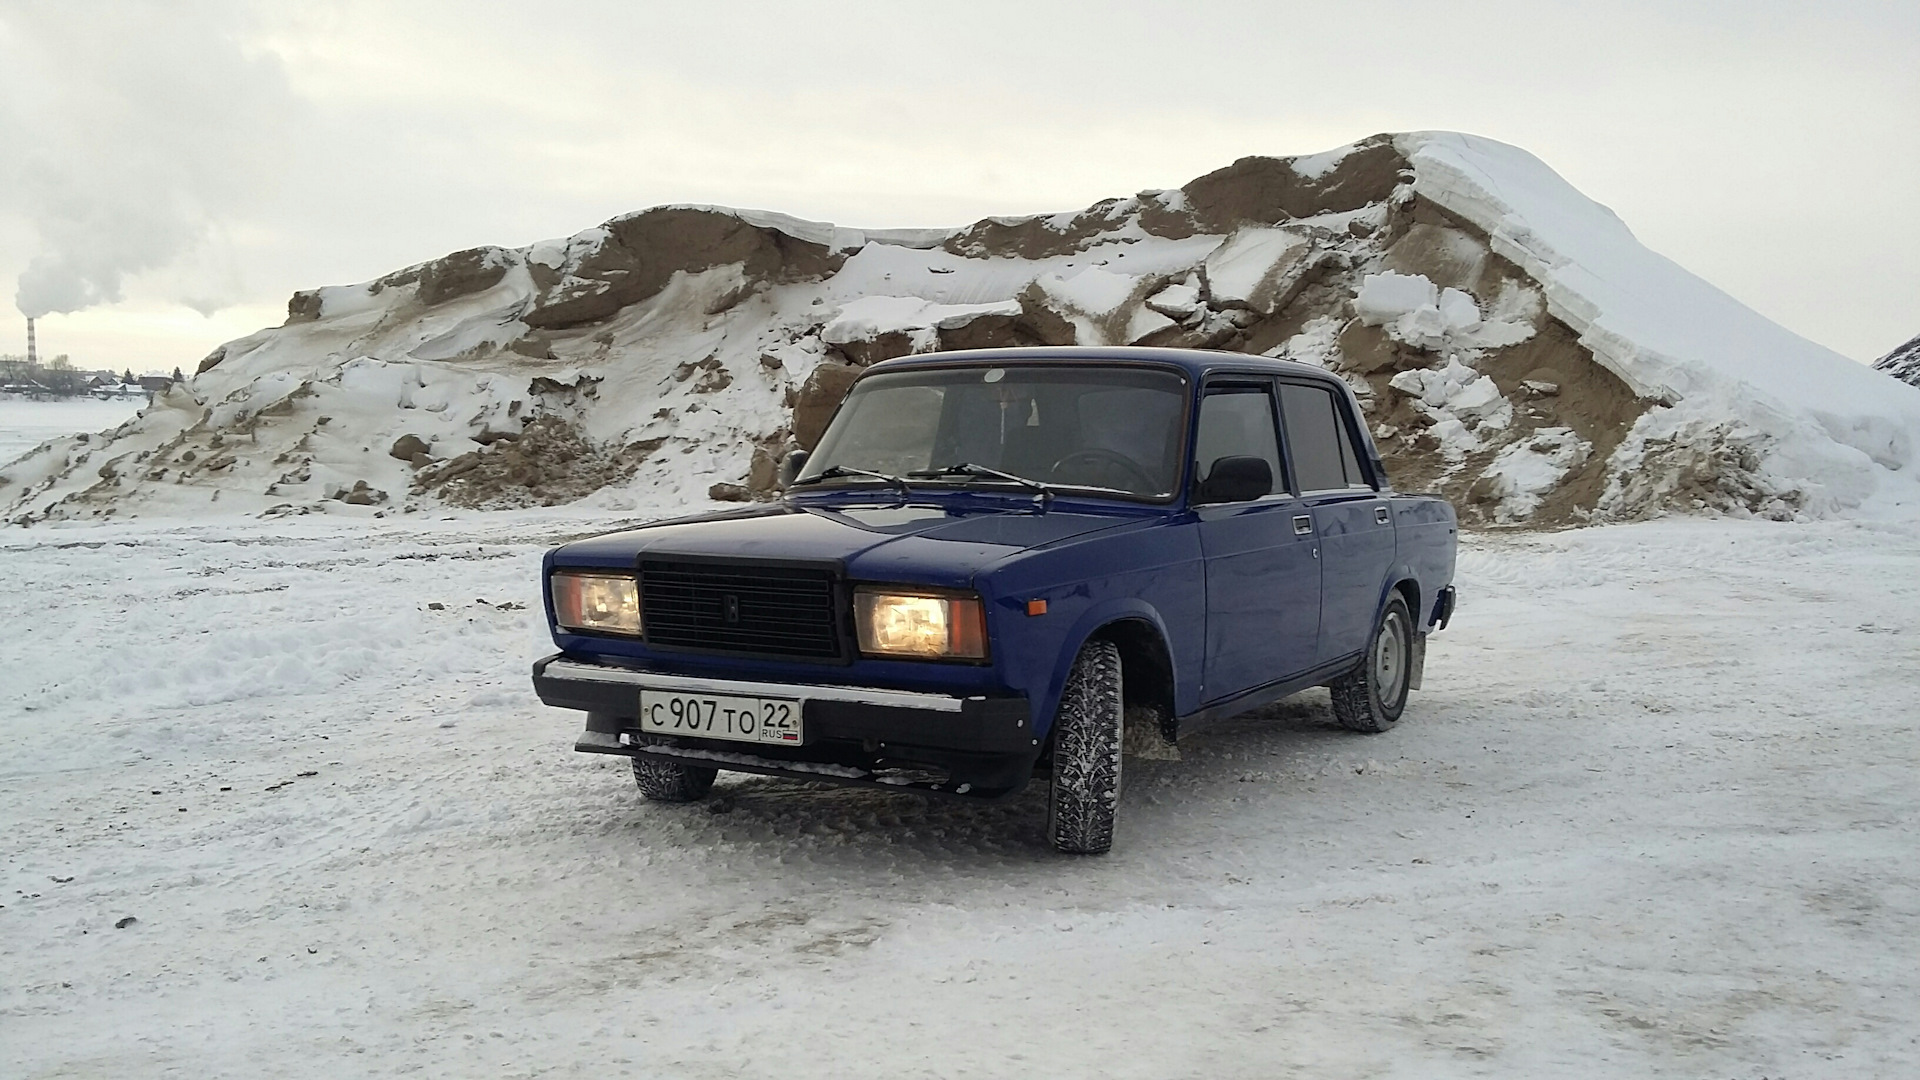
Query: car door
[
  {"x": 1262, "y": 576},
  {"x": 1351, "y": 518}
]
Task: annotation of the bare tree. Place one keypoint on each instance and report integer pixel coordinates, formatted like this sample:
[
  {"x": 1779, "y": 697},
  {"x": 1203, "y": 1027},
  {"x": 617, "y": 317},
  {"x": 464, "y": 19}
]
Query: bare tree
[{"x": 59, "y": 377}]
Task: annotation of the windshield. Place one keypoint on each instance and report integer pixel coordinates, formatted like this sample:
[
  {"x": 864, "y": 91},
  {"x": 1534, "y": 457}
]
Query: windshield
[{"x": 1113, "y": 428}]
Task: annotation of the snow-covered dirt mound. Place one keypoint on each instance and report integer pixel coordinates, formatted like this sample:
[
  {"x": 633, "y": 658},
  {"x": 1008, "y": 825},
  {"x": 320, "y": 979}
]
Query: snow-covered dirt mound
[
  {"x": 1903, "y": 363},
  {"x": 1515, "y": 347}
]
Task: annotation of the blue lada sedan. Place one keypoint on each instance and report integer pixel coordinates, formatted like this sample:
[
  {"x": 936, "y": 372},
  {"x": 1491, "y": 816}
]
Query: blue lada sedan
[{"x": 1011, "y": 563}]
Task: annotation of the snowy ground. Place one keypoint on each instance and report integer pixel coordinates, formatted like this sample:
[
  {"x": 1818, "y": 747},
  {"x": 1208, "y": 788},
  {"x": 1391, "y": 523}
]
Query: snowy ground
[
  {"x": 26, "y": 424},
  {"x": 1654, "y": 815}
]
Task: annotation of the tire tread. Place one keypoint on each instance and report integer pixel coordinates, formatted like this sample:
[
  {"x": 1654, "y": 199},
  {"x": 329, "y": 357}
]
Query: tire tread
[
  {"x": 666, "y": 781},
  {"x": 1356, "y": 700},
  {"x": 1088, "y": 730}
]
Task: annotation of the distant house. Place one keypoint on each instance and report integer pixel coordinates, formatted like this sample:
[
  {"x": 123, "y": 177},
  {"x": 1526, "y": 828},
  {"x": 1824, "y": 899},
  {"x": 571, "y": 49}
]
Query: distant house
[
  {"x": 115, "y": 390},
  {"x": 154, "y": 384}
]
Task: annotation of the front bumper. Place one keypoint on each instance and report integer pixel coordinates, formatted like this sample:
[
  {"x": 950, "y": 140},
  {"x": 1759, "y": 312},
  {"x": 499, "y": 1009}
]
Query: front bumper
[{"x": 979, "y": 747}]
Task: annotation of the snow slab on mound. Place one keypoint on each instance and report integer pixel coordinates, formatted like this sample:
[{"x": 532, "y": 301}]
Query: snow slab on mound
[{"x": 1669, "y": 334}]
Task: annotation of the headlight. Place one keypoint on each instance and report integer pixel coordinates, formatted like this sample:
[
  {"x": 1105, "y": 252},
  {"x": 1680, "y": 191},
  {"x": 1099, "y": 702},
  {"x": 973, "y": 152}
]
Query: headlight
[
  {"x": 596, "y": 603},
  {"x": 905, "y": 624}
]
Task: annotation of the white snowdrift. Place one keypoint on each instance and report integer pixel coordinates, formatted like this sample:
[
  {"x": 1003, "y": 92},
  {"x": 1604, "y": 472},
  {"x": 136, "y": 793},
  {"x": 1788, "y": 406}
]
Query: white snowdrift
[{"x": 1822, "y": 422}]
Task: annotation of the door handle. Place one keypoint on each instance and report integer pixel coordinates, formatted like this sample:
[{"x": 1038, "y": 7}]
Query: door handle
[
  {"x": 1380, "y": 515},
  {"x": 1302, "y": 524}
]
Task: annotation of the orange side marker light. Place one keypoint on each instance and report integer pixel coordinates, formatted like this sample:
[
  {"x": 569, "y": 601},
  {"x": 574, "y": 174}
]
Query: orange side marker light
[{"x": 1036, "y": 607}]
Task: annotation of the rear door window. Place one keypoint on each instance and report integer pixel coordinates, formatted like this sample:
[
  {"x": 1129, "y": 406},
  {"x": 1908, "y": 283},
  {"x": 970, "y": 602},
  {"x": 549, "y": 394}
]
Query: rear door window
[{"x": 1324, "y": 458}]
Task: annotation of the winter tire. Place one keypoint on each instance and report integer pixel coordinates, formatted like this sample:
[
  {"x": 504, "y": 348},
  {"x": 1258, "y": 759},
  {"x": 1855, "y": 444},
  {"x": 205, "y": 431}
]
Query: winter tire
[
  {"x": 1372, "y": 696},
  {"x": 661, "y": 780},
  {"x": 1087, "y": 738}
]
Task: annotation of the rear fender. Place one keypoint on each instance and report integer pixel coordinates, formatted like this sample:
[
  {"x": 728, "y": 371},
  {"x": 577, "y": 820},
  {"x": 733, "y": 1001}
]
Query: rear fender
[{"x": 1422, "y": 605}]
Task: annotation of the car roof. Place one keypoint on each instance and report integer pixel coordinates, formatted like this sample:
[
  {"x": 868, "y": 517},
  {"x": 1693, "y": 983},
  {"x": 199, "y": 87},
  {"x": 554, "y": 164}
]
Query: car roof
[{"x": 1195, "y": 362}]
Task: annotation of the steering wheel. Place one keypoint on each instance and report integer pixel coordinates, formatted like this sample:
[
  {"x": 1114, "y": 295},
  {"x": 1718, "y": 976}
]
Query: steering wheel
[{"x": 1099, "y": 456}]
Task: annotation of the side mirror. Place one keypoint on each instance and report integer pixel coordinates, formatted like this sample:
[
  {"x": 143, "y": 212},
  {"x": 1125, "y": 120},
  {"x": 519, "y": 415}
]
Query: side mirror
[
  {"x": 791, "y": 465},
  {"x": 1235, "y": 479}
]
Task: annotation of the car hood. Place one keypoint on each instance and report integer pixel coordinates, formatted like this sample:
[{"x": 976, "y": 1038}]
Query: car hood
[{"x": 931, "y": 543}]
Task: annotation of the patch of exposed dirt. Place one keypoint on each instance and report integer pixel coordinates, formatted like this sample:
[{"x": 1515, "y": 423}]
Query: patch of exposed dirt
[
  {"x": 993, "y": 332},
  {"x": 548, "y": 463},
  {"x": 1590, "y": 399},
  {"x": 1551, "y": 380},
  {"x": 462, "y": 273},
  {"x": 1037, "y": 237},
  {"x": 713, "y": 376},
  {"x": 303, "y": 306},
  {"x": 1045, "y": 325},
  {"x": 866, "y": 352},
  {"x": 1267, "y": 190},
  {"x": 817, "y": 399},
  {"x": 643, "y": 251},
  {"x": 1902, "y": 363},
  {"x": 1713, "y": 470}
]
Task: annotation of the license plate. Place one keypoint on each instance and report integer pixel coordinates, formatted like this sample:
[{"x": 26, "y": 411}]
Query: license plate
[{"x": 721, "y": 716}]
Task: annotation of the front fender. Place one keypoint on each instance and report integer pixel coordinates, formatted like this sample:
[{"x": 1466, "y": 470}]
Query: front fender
[{"x": 1090, "y": 621}]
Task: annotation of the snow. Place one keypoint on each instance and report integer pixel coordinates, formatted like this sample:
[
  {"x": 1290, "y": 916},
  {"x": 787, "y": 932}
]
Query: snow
[
  {"x": 1091, "y": 290},
  {"x": 1388, "y": 297},
  {"x": 1145, "y": 322},
  {"x": 1245, "y": 269},
  {"x": 1821, "y": 421},
  {"x": 826, "y": 234},
  {"x": 1652, "y": 814},
  {"x": 1416, "y": 311},
  {"x": 1315, "y": 166},
  {"x": 25, "y": 424},
  {"x": 871, "y": 316},
  {"x": 1459, "y": 399},
  {"x": 1178, "y": 300},
  {"x": 1523, "y": 473}
]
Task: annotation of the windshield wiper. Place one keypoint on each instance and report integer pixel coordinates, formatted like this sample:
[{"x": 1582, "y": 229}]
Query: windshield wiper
[
  {"x": 834, "y": 472},
  {"x": 968, "y": 468}
]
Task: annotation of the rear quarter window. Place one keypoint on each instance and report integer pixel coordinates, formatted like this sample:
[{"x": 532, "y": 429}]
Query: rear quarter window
[{"x": 1324, "y": 457}]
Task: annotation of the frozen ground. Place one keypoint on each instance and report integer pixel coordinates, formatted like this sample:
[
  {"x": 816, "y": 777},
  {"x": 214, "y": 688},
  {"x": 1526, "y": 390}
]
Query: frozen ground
[
  {"x": 1654, "y": 815},
  {"x": 26, "y": 424}
]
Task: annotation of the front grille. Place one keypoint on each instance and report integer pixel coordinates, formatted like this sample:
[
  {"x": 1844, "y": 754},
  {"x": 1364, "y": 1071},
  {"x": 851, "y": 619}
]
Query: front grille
[{"x": 740, "y": 608}]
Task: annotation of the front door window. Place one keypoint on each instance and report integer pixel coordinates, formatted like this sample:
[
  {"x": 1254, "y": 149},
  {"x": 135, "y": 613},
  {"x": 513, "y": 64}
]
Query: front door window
[{"x": 1237, "y": 422}]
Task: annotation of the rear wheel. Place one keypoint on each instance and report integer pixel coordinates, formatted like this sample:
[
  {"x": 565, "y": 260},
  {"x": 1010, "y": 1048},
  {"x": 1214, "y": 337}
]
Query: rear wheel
[
  {"x": 661, "y": 780},
  {"x": 1087, "y": 729},
  {"x": 1371, "y": 697}
]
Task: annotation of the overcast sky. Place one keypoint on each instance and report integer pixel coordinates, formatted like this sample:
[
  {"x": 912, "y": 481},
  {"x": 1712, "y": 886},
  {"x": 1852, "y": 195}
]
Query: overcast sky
[{"x": 172, "y": 171}]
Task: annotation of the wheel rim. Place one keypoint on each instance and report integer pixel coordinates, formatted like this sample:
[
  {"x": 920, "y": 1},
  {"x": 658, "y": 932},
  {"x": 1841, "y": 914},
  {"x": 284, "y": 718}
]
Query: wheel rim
[{"x": 1390, "y": 658}]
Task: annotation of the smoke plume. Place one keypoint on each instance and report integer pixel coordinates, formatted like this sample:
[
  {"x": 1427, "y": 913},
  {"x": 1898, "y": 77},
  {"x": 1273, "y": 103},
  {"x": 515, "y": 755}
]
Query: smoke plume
[{"x": 128, "y": 132}]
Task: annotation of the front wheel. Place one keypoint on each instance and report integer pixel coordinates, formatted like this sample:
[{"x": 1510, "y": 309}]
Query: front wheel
[
  {"x": 1087, "y": 729},
  {"x": 1371, "y": 697},
  {"x": 661, "y": 780}
]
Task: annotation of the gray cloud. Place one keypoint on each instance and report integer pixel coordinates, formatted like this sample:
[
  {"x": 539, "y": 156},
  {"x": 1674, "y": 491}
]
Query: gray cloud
[
  {"x": 127, "y": 132},
  {"x": 198, "y": 154}
]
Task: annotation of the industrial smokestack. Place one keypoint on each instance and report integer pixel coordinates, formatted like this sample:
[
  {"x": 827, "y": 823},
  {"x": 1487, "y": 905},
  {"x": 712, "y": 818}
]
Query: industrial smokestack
[{"x": 33, "y": 351}]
